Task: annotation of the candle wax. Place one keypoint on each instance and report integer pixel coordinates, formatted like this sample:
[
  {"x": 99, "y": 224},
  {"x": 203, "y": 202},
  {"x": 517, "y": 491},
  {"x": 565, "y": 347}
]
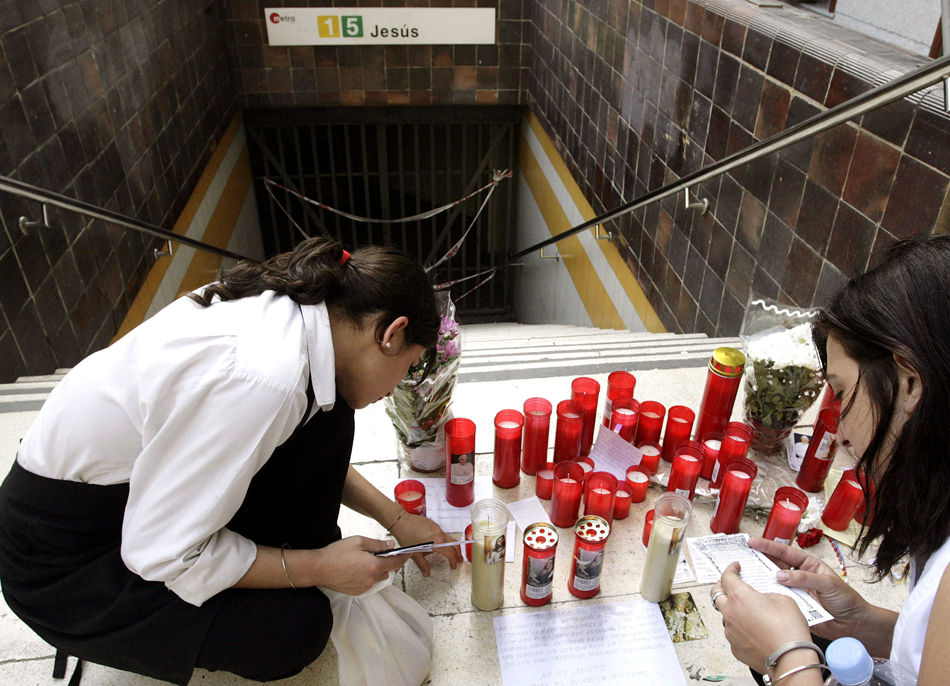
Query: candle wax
[
  {"x": 678, "y": 419},
  {"x": 650, "y": 450},
  {"x": 741, "y": 475},
  {"x": 410, "y": 495},
  {"x": 651, "y": 415},
  {"x": 637, "y": 477},
  {"x": 714, "y": 444},
  {"x": 508, "y": 425},
  {"x": 546, "y": 474},
  {"x": 571, "y": 415},
  {"x": 659, "y": 567},
  {"x": 624, "y": 410},
  {"x": 689, "y": 458},
  {"x": 790, "y": 505},
  {"x": 567, "y": 481},
  {"x": 537, "y": 413},
  {"x": 488, "y": 581},
  {"x": 585, "y": 466},
  {"x": 601, "y": 491}
]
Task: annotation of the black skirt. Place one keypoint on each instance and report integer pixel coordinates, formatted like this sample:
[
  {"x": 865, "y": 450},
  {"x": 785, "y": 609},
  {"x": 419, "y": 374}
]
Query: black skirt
[{"x": 62, "y": 573}]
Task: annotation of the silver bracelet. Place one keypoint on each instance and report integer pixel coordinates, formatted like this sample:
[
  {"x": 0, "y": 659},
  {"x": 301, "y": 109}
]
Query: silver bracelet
[
  {"x": 772, "y": 661},
  {"x": 284, "y": 564},
  {"x": 768, "y": 681}
]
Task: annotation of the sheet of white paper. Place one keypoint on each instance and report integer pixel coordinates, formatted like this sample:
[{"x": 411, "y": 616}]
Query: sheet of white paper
[
  {"x": 757, "y": 570},
  {"x": 626, "y": 643},
  {"x": 528, "y": 511},
  {"x": 453, "y": 519},
  {"x": 613, "y": 454},
  {"x": 684, "y": 574}
]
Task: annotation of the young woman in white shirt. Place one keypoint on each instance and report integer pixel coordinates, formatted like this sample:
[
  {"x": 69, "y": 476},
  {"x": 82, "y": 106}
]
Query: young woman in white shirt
[
  {"x": 885, "y": 342},
  {"x": 174, "y": 504}
]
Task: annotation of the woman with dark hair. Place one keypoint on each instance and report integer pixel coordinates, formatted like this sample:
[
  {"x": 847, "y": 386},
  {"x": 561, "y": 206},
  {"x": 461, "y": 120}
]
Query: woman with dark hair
[
  {"x": 175, "y": 503},
  {"x": 885, "y": 345}
]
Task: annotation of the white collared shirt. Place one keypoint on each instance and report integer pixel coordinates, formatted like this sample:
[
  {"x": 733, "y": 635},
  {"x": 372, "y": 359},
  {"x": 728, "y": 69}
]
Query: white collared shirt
[{"x": 186, "y": 408}]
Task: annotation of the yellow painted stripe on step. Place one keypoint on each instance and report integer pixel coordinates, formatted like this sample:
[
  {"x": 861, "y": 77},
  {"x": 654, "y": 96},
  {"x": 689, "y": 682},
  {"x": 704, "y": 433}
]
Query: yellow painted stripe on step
[
  {"x": 136, "y": 313},
  {"x": 599, "y": 307},
  {"x": 630, "y": 284}
]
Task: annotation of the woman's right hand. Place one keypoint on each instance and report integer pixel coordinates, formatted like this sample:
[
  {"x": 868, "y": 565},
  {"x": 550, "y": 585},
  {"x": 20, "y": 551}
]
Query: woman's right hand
[
  {"x": 348, "y": 565},
  {"x": 822, "y": 583}
]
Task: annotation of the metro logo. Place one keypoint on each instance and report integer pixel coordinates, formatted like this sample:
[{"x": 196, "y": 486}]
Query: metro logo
[
  {"x": 329, "y": 25},
  {"x": 276, "y": 18}
]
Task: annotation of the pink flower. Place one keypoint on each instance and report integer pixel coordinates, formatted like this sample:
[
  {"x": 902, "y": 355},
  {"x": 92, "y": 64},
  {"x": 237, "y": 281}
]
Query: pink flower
[{"x": 451, "y": 349}]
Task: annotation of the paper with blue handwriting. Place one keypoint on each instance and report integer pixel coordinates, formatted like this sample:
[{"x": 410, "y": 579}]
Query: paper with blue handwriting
[
  {"x": 624, "y": 643},
  {"x": 613, "y": 454}
]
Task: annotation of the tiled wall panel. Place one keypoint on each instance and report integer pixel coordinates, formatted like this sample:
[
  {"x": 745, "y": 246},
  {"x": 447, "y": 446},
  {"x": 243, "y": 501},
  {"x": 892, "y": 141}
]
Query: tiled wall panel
[
  {"x": 118, "y": 104},
  {"x": 637, "y": 93}
]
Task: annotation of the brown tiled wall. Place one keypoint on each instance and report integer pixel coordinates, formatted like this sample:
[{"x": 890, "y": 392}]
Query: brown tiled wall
[
  {"x": 117, "y": 104},
  {"x": 637, "y": 94},
  {"x": 376, "y": 74}
]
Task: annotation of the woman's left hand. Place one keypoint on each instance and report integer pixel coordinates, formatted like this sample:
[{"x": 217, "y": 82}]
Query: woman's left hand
[
  {"x": 756, "y": 624},
  {"x": 412, "y": 529}
]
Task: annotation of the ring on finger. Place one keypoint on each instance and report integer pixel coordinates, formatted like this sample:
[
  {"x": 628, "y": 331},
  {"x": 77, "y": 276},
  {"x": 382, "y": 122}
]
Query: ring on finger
[{"x": 716, "y": 596}]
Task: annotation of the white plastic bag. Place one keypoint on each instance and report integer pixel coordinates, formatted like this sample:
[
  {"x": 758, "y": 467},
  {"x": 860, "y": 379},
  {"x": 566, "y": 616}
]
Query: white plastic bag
[{"x": 381, "y": 637}]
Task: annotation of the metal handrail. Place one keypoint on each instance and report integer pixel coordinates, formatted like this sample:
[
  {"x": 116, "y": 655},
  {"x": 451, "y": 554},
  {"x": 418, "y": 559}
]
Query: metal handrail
[
  {"x": 25, "y": 190},
  {"x": 879, "y": 96}
]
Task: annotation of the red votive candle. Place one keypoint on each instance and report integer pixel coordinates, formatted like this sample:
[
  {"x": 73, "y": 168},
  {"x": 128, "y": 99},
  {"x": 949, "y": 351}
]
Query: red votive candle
[
  {"x": 507, "y": 472},
  {"x": 459, "y": 462},
  {"x": 567, "y": 433},
  {"x": 711, "y": 445},
  {"x": 736, "y": 440},
  {"x": 537, "y": 570},
  {"x": 828, "y": 401},
  {"x": 736, "y": 485},
  {"x": 787, "y": 510},
  {"x": 648, "y": 527},
  {"x": 723, "y": 379},
  {"x": 600, "y": 494},
  {"x": 467, "y": 536},
  {"x": 544, "y": 482},
  {"x": 843, "y": 503},
  {"x": 687, "y": 464},
  {"x": 622, "y": 501},
  {"x": 568, "y": 487},
  {"x": 587, "y": 464},
  {"x": 650, "y": 424},
  {"x": 679, "y": 425},
  {"x": 411, "y": 494},
  {"x": 651, "y": 455},
  {"x": 620, "y": 386},
  {"x": 537, "y": 427},
  {"x": 820, "y": 454},
  {"x": 586, "y": 391},
  {"x": 624, "y": 418},
  {"x": 638, "y": 481},
  {"x": 590, "y": 539},
  {"x": 868, "y": 487}
]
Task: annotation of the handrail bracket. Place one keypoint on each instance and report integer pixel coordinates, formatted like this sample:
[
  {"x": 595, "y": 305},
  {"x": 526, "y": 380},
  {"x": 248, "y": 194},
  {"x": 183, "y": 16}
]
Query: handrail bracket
[{"x": 26, "y": 225}]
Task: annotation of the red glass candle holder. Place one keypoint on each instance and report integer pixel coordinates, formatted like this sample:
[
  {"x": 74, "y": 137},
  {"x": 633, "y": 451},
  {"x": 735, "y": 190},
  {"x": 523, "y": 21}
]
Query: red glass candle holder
[
  {"x": 600, "y": 493},
  {"x": 843, "y": 503},
  {"x": 650, "y": 424},
  {"x": 620, "y": 386},
  {"x": 862, "y": 516},
  {"x": 736, "y": 441},
  {"x": 537, "y": 569},
  {"x": 787, "y": 510},
  {"x": 537, "y": 427},
  {"x": 679, "y": 426},
  {"x": 586, "y": 391},
  {"x": 651, "y": 455},
  {"x": 411, "y": 495},
  {"x": 647, "y": 527},
  {"x": 544, "y": 481},
  {"x": 736, "y": 485},
  {"x": 820, "y": 454},
  {"x": 622, "y": 501},
  {"x": 828, "y": 401},
  {"x": 723, "y": 379},
  {"x": 687, "y": 464},
  {"x": 459, "y": 462},
  {"x": 567, "y": 433},
  {"x": 711, "y": 445},
  {"x": 590, "y": 540},
  {"x": 638, "y": 481},
  {"x": 566, "y": 499},
  {"x": 624, "y": 418},
  {"x": 467, "y": 548},
  {"x": 508, "y": 428},
  {"x": 587, "y": 464}
]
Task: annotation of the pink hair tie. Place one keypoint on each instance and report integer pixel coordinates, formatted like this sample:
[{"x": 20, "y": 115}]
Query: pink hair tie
[{"x": 343, "y": 260}]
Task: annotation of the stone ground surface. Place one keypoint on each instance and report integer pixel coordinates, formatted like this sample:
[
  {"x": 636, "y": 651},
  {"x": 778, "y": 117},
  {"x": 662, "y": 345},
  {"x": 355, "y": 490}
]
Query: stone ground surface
[{"x": 465, "y": 651}]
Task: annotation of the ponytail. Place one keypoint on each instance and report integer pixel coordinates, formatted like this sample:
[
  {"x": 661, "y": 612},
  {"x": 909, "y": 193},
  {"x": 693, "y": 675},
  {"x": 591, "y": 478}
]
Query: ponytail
[{"x": 375, "y": 282}]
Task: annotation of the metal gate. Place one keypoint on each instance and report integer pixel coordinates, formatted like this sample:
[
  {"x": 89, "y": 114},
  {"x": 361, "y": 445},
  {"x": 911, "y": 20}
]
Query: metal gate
[{"x": 389, "y": 163}]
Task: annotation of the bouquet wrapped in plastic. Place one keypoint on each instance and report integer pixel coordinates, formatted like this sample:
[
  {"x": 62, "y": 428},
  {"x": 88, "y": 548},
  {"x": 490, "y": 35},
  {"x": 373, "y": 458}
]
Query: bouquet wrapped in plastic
[
  {"x": 783, "y": 373},
  {"x": 419, "y": 407}
]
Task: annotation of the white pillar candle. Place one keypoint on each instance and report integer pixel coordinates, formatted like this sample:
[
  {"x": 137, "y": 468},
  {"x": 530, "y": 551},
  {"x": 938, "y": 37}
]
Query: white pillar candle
[
  {"x": 637, "y": 477},
  {"x": 713, "y": 444},
  {"x": 650, "y": 450}
]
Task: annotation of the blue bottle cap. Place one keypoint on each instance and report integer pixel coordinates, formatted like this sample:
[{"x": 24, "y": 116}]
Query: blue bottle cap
[{"x": 849, "y": 661}]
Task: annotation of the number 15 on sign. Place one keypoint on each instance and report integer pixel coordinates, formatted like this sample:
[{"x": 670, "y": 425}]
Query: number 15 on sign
[{"x": 329, "y": 26}]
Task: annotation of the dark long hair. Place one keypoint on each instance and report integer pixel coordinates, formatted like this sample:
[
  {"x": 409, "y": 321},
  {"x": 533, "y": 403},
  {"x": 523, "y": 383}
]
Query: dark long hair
[
  {"x": 376, "y": 283},
  {"x": 901, "y": 307}
]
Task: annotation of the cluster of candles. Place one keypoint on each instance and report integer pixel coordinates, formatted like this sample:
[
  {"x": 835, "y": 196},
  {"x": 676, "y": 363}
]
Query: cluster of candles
[{"x": 716, "y": 450}]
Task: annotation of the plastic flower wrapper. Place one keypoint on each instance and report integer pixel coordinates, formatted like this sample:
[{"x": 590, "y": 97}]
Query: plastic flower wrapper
[
  {"x": 783, "y": 373},
  {"x": 419, "y": 407}
]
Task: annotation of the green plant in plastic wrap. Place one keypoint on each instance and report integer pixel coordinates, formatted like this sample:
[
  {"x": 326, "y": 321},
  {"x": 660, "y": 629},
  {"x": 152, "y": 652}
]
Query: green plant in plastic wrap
[{"x": 419, "y": 407}]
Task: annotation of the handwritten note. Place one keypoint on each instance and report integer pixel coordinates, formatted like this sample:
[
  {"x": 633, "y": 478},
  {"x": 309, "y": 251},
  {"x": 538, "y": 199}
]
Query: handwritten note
[
  {"x": 626, "y": 643},
  {"x": 613, "y": 454},
  {"x": 528, "y": 511}
]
